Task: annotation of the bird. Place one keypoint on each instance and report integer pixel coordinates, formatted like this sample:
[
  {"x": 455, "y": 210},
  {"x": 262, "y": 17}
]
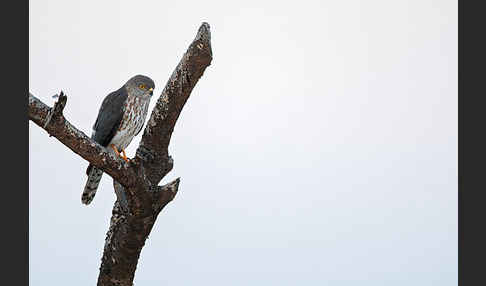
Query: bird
[{"x": 120, "y": 118}]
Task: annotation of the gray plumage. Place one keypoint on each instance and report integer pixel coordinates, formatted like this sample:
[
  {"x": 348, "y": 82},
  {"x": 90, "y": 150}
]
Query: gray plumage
[{"x": 120, "y": 118}]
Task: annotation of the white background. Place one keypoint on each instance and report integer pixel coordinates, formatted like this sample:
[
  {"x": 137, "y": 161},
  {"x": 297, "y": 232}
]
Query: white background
[{"x": 319, "y": 148}]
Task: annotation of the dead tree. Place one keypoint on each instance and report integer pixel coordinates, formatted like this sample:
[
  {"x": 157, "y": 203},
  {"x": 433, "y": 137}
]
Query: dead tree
[{"x": 139, "y": 198}]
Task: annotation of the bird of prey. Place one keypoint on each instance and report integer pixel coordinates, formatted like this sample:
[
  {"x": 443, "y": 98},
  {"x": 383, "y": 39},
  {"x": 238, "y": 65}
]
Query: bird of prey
[{"x": 120, "y": 118}]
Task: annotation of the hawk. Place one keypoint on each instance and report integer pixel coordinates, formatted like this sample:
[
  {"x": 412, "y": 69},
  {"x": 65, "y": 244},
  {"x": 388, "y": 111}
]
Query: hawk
[{"x": 120, "y": 118}]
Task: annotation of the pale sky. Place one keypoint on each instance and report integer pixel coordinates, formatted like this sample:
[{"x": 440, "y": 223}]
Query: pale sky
[{"x": 319, "y": 148}]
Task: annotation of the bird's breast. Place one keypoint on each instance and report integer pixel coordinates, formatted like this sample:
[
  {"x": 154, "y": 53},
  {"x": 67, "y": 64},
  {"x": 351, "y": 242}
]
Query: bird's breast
[{"x": 135, "y": 111}]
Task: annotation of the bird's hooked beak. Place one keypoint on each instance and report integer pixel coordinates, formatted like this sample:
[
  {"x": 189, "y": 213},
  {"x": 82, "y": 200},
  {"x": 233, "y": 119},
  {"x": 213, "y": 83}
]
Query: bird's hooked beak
[{"x": 151, "y": 91}]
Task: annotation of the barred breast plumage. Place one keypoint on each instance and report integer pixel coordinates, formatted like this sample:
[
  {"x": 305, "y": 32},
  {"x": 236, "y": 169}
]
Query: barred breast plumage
[{"x": 134, "y": 113}]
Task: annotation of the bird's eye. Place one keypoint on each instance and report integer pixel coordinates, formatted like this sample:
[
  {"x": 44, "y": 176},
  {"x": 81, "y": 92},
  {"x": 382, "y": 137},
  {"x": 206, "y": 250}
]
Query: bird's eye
[{"x": 142, "y": 86}]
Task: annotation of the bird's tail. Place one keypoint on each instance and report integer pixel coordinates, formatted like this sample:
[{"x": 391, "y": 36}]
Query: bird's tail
[{"x": 94, "y": 177}]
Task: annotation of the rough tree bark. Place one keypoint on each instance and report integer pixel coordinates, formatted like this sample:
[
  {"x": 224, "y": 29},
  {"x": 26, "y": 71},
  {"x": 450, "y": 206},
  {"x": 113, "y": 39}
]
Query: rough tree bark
[{"x": 139, "y": 198}]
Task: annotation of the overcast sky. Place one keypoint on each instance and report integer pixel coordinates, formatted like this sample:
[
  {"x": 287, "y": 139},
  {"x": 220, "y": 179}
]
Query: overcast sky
[{"x": 319, "y": 148}]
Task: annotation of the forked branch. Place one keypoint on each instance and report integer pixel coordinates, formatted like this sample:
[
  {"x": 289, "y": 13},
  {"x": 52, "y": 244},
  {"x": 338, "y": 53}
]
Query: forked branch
[{"x": 139, "y": 198}]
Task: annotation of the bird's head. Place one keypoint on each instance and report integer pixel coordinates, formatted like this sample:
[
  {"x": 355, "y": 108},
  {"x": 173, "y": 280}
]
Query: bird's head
[{"x": 141, "y": 85}]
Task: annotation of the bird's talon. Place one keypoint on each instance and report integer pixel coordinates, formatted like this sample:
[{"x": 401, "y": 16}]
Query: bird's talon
[{"x": 124, "y": 156}]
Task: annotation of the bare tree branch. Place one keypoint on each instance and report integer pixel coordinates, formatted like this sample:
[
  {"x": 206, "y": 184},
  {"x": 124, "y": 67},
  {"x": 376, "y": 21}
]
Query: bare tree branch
[
  {"x": 52, "y": 120},
  {"x": 56, "y": 111},
  {"x": 155, "y": 141},
  {"x": 164, "y": 194},
  {"x": 139, "y": 198}
]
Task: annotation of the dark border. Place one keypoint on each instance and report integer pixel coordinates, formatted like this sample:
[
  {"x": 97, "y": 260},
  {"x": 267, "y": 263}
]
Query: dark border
[
  {"x": 471, "y": 195},
  {"x": 14, "y": 124},
  {"x": 460, "y": 206}
]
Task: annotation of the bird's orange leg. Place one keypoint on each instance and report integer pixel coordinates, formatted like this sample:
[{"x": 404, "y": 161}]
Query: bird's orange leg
[
  {"x": 124, "y": 156},
  {"x": 114, "y": 149}
]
